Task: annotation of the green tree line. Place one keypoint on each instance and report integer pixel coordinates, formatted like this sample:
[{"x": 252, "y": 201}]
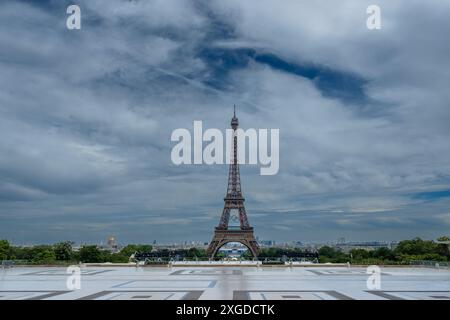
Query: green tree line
[
  {"x": 404, "y": 252},
  {"x": 63, "y": 253}
]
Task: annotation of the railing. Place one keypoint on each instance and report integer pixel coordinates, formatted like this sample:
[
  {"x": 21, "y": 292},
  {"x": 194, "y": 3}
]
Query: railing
[
  {"x": 430, "y": 264},
  {"x": 10, "y": 263},
  {"x": 227, "y": 260}
]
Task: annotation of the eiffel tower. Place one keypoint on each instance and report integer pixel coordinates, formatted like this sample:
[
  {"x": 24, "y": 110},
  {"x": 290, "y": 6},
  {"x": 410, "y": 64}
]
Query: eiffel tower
[{"x": 224, "y": 233}]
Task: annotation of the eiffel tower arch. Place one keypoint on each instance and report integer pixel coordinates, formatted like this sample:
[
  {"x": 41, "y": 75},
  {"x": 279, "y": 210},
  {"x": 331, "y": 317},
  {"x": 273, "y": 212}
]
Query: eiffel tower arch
[{"x": 234, "y": 200}]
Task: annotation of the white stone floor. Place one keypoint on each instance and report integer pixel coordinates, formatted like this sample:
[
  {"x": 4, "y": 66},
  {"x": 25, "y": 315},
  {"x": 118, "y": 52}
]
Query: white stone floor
[{"x": 223, "y": 283}]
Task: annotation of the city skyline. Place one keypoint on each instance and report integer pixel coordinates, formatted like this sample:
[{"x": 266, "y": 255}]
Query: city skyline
[{"x": 86, "y": 118}]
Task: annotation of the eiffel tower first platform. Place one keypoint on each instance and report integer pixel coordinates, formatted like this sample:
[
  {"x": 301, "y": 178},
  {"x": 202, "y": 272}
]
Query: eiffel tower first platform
[{"x": 234, "y": 200}]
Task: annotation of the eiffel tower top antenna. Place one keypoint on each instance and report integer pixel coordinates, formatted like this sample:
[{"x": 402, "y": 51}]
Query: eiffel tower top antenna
[{"x": 234, "y": 120}]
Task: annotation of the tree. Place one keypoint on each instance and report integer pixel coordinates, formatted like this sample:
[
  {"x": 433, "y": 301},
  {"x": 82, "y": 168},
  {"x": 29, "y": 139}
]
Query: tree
[
  {"x": 383, "y": 254},
  {"x": 220, "y": 254},
  {"x": 42, "y": 254},
  {"x": 360, "y": 254},
  {"x": 328, "y": 254},
  {"x": 327, "y": 251},
  {"x": 63, "y": 250},
  {"x": 90, "y": 254},
  {"x": 415, "y": 246},
  {"x": 444, "y": 248},
  {"x": 418, "y": 249},
  {"x": 118, "y": 258},
  {"x": 46, "y": 256},
  {"x": 21, "y": 253},
  {"x": 4, "y": 249},
  {"x": 195, "y": 252},
  {"x": 144, "y": 248},
  {"x": 132, "y": 248},
  {"x": 271, "y": 253}
]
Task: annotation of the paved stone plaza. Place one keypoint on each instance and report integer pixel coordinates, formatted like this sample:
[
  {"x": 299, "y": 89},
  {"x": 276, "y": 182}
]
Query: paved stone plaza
[{"x": 223, "y": 283}]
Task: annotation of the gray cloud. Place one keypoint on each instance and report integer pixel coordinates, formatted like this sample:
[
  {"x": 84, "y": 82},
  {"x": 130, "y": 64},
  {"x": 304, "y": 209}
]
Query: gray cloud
[{"x": 86, "y": 118}]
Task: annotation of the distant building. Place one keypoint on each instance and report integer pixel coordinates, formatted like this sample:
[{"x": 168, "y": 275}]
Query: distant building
[
  {"x": 111, "y": 244},
  {"x": 266, "y": 243},
  {"x": 370, "y": 245}
]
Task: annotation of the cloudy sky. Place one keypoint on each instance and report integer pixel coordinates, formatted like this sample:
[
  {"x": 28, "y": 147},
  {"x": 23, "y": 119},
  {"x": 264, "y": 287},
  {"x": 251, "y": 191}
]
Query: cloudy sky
[{"x": 86, "y": 118}]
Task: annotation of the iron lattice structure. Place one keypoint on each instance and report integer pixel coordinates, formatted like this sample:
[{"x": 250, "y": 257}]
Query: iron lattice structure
[{"x": 234, "y": 200}]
